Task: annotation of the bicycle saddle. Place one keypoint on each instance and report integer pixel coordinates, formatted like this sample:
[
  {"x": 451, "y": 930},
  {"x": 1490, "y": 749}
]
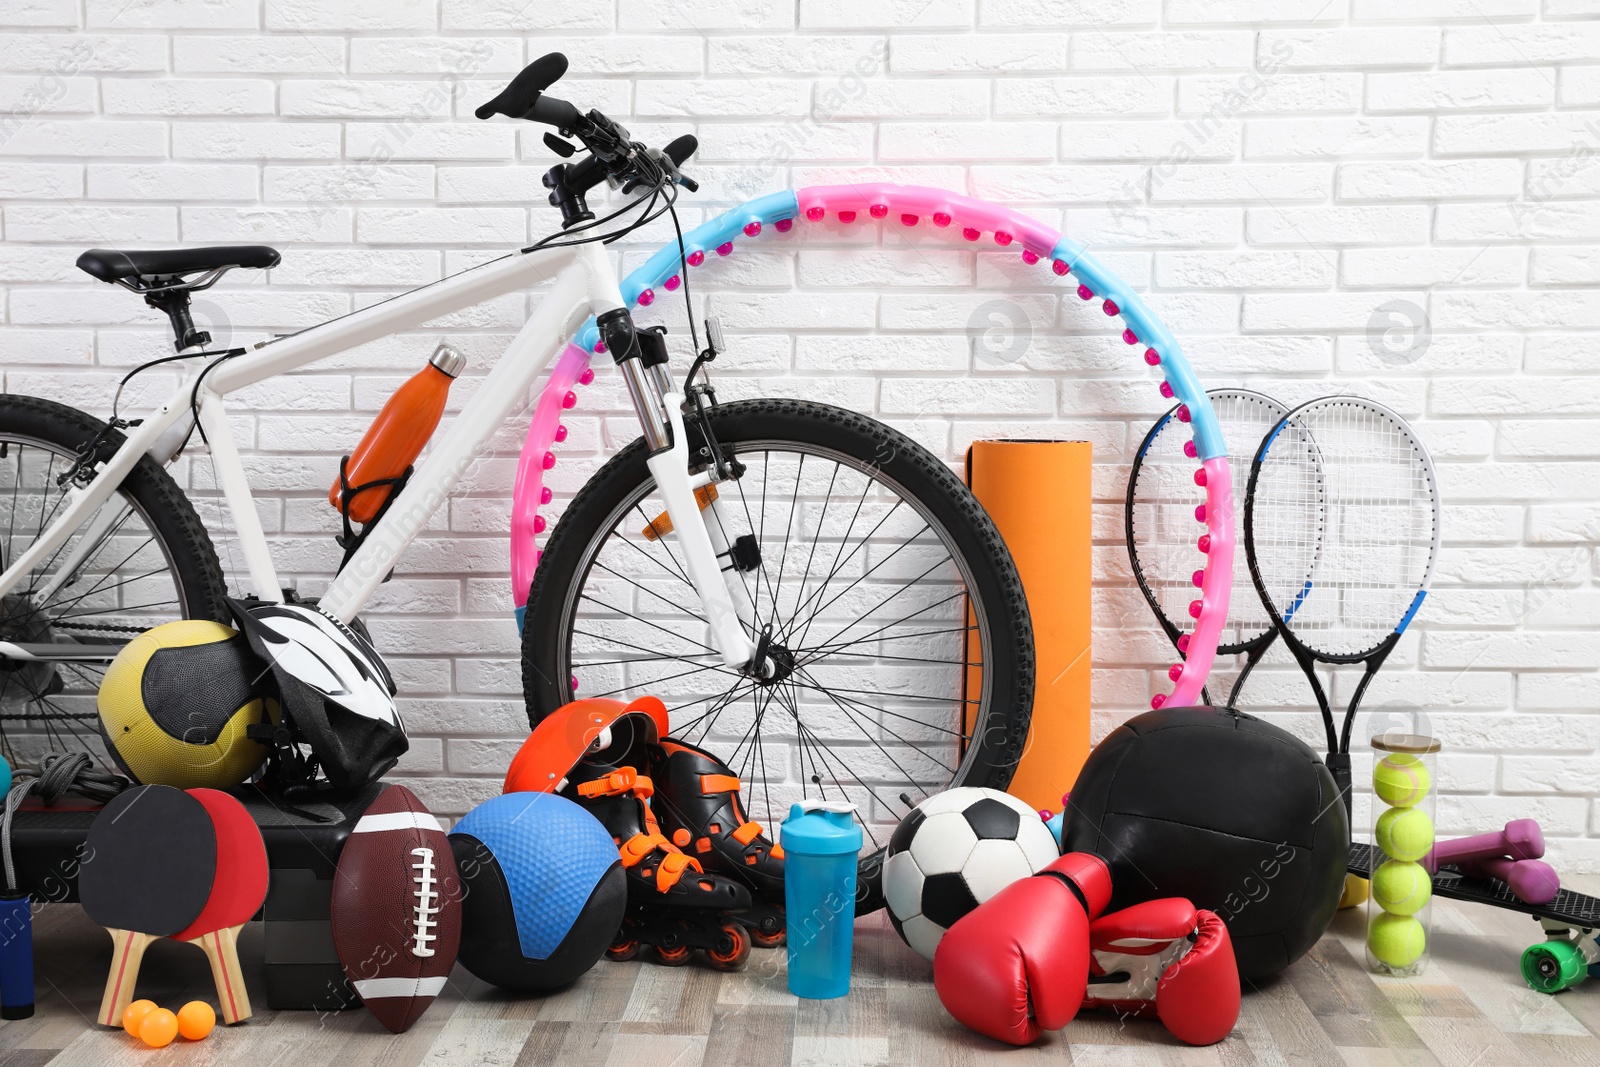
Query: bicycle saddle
[{"x": 111, "y": 265}]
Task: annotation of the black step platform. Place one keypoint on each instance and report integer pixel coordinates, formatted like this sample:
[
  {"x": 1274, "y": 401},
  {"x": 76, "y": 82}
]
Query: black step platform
[{"x": 303, "y": 845}]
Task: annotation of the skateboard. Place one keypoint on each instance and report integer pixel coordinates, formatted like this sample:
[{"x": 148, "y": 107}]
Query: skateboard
[{"x": 1570, "y": 952}]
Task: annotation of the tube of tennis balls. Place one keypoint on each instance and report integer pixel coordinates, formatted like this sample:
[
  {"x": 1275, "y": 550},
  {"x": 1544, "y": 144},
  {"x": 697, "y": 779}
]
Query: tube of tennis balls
[{"x": 1400, "y": 906}]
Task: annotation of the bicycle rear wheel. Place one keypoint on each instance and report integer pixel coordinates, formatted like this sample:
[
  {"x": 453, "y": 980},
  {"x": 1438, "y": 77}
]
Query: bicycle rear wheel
[
  {"x": 149, "y": 561},
  {"x": 881, "y": 587}
]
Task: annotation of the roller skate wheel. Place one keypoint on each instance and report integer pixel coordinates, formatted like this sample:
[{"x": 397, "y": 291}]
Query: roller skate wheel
[
  {"x": 1553, "y": 966},
  {"x": 673, "y": 957},
  {"x": 733, "y": 948},
  {"x": 623, "y": 951},
  {"x": 765, "y": 939}
]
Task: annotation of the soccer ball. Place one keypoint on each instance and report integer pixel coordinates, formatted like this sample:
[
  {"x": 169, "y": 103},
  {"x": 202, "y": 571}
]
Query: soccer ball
[{"x": 954, "y": 851}]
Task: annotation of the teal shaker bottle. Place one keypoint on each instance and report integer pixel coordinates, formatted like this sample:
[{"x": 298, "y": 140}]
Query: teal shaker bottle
[{"x": 821, "y": 842}]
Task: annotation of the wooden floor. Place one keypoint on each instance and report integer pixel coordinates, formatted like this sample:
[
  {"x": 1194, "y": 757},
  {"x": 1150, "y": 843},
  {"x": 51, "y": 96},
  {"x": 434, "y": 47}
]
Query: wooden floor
[{"x": 1470, "y": 1009}]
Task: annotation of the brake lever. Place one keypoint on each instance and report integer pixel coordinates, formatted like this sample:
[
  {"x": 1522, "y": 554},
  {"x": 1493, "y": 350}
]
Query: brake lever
[{"x": 564, "y": 149}]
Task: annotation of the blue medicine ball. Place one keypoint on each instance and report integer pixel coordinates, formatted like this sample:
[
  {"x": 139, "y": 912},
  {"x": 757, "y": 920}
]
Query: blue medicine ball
[{"x": 544, "y": 891}]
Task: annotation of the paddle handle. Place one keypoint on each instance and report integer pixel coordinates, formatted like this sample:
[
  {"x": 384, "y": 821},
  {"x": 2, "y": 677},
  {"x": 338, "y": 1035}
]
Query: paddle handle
[
  {"x": 16, "y": 957},
  {"x": 222, "y": 949},
  {"x": 127, "y": 953}
]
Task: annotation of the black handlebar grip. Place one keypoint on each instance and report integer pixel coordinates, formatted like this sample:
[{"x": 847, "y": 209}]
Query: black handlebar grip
[
  {"x": 516, "y": 99},
  {"x": 681, "y": 149}
]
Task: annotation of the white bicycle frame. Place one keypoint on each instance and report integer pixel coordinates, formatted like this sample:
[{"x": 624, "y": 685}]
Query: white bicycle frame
[{"x": 584, "y": 284}]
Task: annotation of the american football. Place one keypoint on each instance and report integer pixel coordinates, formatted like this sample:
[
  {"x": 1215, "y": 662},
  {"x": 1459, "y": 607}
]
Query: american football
[
  {"x": 954, "y": 851},
  {"x": 396, "y": 908}
]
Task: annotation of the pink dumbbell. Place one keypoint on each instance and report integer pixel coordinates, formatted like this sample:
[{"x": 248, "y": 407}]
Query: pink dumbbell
[
  {"x": 1520, "y": 840},
  {"x": 1532, "y": 881}
]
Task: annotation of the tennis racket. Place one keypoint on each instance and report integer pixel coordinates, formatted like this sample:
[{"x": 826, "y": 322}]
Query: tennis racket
[
  {"x": 1160, "y": 524},
  {"x": 1341, "y": 531}
]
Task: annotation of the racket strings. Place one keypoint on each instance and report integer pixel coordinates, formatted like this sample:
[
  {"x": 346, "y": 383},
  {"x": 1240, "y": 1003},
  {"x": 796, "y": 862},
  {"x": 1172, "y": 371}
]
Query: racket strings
[
  {"x": 1166, "y": 530},
  {"x": 1344, "y": 525}
]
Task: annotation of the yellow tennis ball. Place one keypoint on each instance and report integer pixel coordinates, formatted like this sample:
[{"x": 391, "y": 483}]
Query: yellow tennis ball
[
  {"x": 1405, "y": 834},
  {"x": 1400, "y": 779},
  {"x": 1397, "y": 940},
  {"x": 1401, "y": 887}
]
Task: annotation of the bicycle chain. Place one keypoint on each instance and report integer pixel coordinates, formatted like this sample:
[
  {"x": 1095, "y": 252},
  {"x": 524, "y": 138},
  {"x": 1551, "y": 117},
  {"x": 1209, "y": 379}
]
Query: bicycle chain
[{"x": 99, "y": 627}]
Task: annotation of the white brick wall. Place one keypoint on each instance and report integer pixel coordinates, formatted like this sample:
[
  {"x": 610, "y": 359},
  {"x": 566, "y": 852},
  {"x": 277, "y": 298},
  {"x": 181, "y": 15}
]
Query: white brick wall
[{"x": 1269, "y": 173}]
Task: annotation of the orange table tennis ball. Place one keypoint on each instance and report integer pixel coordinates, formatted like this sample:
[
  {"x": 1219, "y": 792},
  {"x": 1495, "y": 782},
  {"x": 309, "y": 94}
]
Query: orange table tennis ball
[
  {"x": 159, "y": 1028},
  {"x": 196, "y": 1020},
  {"x": 134, "y": 1015}
]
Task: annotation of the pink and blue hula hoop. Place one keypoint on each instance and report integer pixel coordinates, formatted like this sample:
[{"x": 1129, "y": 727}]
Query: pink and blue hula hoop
[{"x": 911, "y": 205}]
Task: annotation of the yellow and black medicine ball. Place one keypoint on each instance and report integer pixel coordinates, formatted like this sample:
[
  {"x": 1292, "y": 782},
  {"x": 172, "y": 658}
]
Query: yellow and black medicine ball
[{"x": 175, "y": 704}]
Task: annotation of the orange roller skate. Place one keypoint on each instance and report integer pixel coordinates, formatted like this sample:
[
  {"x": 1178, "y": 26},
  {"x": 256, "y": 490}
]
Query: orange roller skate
[
  {"x": 674, "y": 905},
  {"x": 697, "y": 803}
]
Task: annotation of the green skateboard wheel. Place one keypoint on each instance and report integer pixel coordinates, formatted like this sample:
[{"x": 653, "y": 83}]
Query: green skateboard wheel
[{"x": 1553, "y": 966}]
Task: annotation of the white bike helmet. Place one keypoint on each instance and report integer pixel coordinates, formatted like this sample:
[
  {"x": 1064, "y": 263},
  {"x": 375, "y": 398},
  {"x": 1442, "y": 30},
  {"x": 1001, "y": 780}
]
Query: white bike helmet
[{"x": 336, "y": 693}]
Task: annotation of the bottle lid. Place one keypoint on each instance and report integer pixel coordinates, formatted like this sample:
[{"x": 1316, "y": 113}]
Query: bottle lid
[
  {"x": 448, "y": 360},
  {"x": 1416, "y": 744},
  {"x": 821, "y": 828}
]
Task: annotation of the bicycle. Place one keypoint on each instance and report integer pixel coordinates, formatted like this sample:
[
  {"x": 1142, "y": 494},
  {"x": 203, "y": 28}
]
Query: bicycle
[{"x": 886, "y": 569}]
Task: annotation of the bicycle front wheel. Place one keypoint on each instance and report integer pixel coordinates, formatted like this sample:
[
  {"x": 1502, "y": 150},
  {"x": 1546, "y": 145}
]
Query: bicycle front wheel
[{"x": 880, "y": 589}]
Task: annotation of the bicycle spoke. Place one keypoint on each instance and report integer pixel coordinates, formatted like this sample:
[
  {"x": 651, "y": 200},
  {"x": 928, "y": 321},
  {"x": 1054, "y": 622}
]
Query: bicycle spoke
[
  {"x": 844, "y": 559},
  {"x": 821, "y": 524},
  {"x": 650, "y": 658},
  {"x": 11, "y": 526},
  {"x": 867, "y": 574},
  {"x": 115, "y": 585},
  {"x": 877, "y": 656},
  {"x": 674, "y": 570},
  {"x": 828, "y": 650},
  {"x": 832, "y": 694},
  {"x": 135, "y": 607},
  {"x": 828, "y": 642},
  {"x": 875, "y": 742},
  {"x": 709, "y": 717},
  {"x": 647, "y": 622},
  {"x": 656, "y": 681},
  {"x": 823, "y": 749},
  {"x": 662, "y": 541},
  {"x": 766, "y": 576},
  {"x": 783, "y": 553},
  {"x": 44, "y": 569},
  {"x": 639, "y": 586}
]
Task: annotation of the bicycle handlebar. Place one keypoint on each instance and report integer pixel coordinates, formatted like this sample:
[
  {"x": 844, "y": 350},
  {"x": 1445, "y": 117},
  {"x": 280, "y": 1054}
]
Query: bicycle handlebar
[
  {"x": 611, "y": 154},
  {"x": 554, "y": 112}
]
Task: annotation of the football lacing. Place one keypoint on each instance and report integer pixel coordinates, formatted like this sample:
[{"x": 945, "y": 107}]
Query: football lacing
[{"x": 427, "y": 907}]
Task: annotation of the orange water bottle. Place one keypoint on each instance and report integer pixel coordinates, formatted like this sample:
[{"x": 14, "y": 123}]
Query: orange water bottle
[{"x": 396, "y": 437}]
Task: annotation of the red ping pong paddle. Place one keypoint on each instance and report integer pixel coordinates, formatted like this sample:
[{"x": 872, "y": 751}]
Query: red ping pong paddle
[
  {"x": 237, "y": 892},
  {"x": 148, "y": 865}
]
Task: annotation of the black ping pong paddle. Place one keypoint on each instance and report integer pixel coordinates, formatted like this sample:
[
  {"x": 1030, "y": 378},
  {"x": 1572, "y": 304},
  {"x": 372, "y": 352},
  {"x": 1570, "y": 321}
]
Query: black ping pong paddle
[{"x": 147, "y": 872}]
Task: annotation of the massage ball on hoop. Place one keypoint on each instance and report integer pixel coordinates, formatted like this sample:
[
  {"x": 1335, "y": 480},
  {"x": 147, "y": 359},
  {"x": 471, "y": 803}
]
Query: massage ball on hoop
[
  {"x": 1225, "y": 809},
  {"x": 175, "y": 704}
]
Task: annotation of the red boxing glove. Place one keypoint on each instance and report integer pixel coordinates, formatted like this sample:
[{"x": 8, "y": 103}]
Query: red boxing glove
[
  {"x": 1019, "y": 962},
  {"x": 1165, "y": 958}
]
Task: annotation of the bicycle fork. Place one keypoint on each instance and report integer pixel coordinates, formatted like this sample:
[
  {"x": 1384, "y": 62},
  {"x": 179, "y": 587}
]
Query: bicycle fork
[{"x": 659, "y": 406}]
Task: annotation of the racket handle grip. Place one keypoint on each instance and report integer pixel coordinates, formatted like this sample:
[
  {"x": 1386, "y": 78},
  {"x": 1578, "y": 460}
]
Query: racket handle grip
[
  {"x": 1339, "y": 766},
  {"x": 16, "y": 957}
]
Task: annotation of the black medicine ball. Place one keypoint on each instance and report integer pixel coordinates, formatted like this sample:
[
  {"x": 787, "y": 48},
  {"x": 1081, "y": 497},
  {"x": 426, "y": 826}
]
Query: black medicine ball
[{"x": 1225, "y": 809}]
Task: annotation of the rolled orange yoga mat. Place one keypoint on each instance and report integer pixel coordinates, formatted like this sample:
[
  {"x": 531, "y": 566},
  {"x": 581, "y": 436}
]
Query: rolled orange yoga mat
[{"x": 1038, "y": 493}]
